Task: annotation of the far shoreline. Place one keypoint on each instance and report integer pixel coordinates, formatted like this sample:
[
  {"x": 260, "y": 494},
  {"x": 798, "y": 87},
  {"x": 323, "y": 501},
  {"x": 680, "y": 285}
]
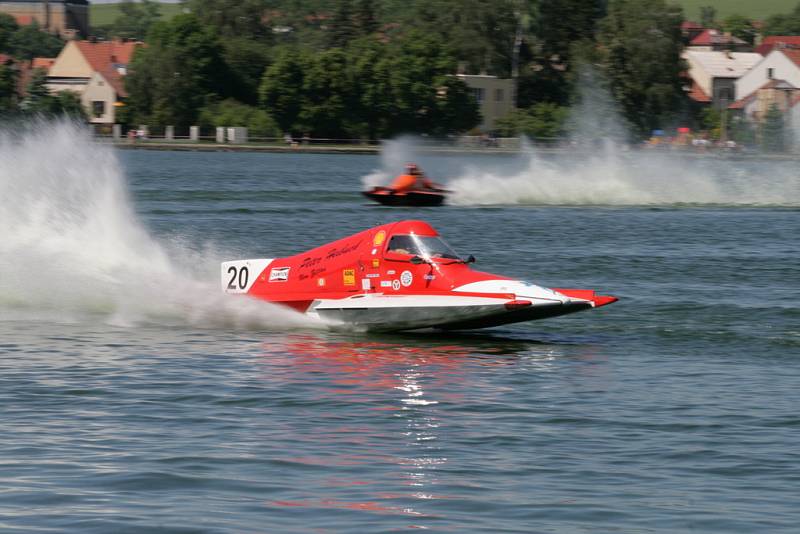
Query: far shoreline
[{"x": 442, "y": 150}]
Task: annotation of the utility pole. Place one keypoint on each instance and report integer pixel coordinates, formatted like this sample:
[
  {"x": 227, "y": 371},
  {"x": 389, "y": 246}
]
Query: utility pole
[{"x": 515, "y": 55}]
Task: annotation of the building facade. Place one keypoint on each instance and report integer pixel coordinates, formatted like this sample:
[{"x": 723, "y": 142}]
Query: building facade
[
  {"x": 714, "y": 74},
  {"x": 495, "y": 97},
  {"x": 67, "y": 18},
  {"x": 96, "y": 71}
]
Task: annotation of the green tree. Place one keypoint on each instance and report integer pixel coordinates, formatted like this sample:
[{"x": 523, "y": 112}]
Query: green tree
[
  {"x": 741, "y": 27},
  {"x": 237, "y": 18},
  {"x": 773, "y": 134},
  {"x": 281, "y": 88},
  {"x": 135, "y": 19},
  {"x": 364, "y": 17},
  {"x": 39, "y": 100},
  {"x": 29, "y": 42},
  {"x": 641, "y": 44},
  {"x": 542, "y": 120},
  {"x": 8, "y": 88},
  {"x": 560, "y": 28},
  {"x": 708, "y": 16},
  {"x": 179, "y": 72},
  {"x": 8, "y": 26},
  {"x": 785, "y": 24},
  {"x": 230, "y": 112},
  {"x": 341, "y": 29}
]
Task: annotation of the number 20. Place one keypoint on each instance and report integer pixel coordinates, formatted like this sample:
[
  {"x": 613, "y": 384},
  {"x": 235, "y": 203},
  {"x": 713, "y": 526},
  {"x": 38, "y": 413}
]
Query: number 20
[{"x": 241, "y": 277}]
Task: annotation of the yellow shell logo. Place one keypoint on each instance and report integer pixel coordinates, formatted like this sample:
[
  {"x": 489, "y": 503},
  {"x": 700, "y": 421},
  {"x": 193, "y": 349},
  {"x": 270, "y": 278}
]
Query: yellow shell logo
[{"x": 380, "y": 237}]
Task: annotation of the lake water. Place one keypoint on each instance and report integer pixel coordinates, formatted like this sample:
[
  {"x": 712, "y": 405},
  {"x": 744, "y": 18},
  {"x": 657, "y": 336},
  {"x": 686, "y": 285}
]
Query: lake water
[{"x": 137, "y": 398}]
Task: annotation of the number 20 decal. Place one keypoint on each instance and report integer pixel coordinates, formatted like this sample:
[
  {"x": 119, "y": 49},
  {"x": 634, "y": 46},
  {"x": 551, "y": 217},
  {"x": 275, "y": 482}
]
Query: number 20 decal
[{"x": 239, "y": 277}]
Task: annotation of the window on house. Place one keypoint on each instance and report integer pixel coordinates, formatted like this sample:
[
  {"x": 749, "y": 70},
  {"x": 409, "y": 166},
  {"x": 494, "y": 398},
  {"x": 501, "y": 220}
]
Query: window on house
[
  {"x": 498, "y": 95},
  {"x": 478, "y": 93},
  {"x": 98, "y": 108},
  {"x": 770, "y": 73}
]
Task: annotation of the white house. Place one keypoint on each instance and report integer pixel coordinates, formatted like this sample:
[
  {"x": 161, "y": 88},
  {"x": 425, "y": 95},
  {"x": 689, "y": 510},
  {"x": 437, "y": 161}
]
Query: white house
[
  {"x": 780, "y": 64},
  {"x": 715, "y": 73}
]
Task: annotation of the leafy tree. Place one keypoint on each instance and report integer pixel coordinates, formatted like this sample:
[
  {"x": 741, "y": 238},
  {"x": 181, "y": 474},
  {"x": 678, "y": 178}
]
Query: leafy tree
[
  {"x": 239, "y": 18},
  {"x": 37, "y": 98},
  {"x": 364, "y": 17},
  {"x": 29, "y": 42},
  {"x": 246, "y": 60},
  {"x": 40, "y": 101},
  {"x": 8, "y": 88},
  {"x": 179, "y": 71},
  {"x": 542, "y": 120},
  {"x": 561, "y": 26},
  {"x": 8, "y": 26},
  {"x": 773, "y": 138},
  {"x": 135, "y": 19},
  {"x": 230, "y": 112},
  {"x": 787, "y": 24},
  {"x": 341, "y": 29},
  {"x": 479, "y": 34},
  {"x": 641, "y": 43},
  {"x": 741, "y": 27},
  {"x": 708, "y": 16},
  {"x": 282, "y": 86}
]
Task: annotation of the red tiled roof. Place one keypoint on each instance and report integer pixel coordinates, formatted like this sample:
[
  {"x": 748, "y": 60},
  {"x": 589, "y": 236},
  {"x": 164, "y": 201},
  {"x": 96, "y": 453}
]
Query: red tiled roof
[
  {"x": 106, "y": 56},
  {"x": 689, "y": 25},
  {"x": 42, "y": 62},
  {"x": 711, "y": 37},
  {"x": 772, "y": 42},
  {"x": 793, "y": 54},
  {"x": 697, "y": 94},
  {"x": 739, "y": 104},
  {"x": 24, "y": 20}
]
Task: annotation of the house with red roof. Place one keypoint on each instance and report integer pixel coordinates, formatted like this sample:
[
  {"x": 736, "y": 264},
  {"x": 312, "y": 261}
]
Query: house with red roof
[
  {"x": 771, "y": 42},
  {"x": 780, "y": 64},
  {"x": 96, "y": 71},
  {"x": 713, "y": 75},
  {"x": 711, "y": 40}
]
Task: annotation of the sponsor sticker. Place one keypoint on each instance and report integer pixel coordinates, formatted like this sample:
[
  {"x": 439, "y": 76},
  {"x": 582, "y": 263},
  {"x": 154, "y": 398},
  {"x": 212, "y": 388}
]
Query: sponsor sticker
[
  {"x": 376, "y": 263},
  {"x": 380, "y": 237},
  {"x": 349, "y": 277},
  {"x": 406, "y": 278},
  {"x": 321, "y": 282},
  {"x": 279, "y": 274},
  {"x": 390, "y": 271},
  {"x": 373, "y": 275},
  {"x": 386, "y": 283},
  {"x": 365, "y": 284},
  {"x": 396, "y": 285},
  {"x": 374, "y": 251},
  {"x": 430, "y": 277}
]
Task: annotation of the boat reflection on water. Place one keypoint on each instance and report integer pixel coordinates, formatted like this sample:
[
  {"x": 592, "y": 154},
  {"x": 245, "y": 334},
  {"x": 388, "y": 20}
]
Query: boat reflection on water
[{"x": 391, "y": 401}]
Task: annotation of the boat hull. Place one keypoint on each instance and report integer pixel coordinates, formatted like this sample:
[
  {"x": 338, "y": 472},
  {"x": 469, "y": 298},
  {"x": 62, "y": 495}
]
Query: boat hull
[
  {"x": 386, "y": 197},
  {"x": 389, "y": 313}
]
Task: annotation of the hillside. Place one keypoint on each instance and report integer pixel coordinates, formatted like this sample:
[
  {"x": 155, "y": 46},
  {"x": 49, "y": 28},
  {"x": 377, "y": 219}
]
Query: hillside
[
  {"x": 105, "y": 14},
  {"x": 758, "y": 10}
]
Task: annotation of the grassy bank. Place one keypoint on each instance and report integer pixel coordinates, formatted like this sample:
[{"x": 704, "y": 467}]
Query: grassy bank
[
  {"x": 756, "y": 10},
  {"x": 105, "y": 14}
]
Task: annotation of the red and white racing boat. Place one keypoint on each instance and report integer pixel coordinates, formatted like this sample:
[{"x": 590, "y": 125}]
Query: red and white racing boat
[{"x": 399, "y": 276}]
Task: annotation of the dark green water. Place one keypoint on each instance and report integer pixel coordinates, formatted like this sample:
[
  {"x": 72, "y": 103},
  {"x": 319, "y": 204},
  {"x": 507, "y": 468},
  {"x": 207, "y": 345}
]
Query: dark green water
[{"x": 136, "y": 398}]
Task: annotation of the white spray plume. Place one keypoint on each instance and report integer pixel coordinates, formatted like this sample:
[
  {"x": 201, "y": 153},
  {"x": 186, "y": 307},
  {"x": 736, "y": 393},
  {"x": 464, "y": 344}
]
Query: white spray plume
[{"x": 73, "y": 247}]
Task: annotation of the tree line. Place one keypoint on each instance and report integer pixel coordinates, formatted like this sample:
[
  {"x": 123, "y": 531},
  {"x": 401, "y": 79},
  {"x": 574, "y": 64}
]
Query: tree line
[{"x": 378, "y": 68}]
